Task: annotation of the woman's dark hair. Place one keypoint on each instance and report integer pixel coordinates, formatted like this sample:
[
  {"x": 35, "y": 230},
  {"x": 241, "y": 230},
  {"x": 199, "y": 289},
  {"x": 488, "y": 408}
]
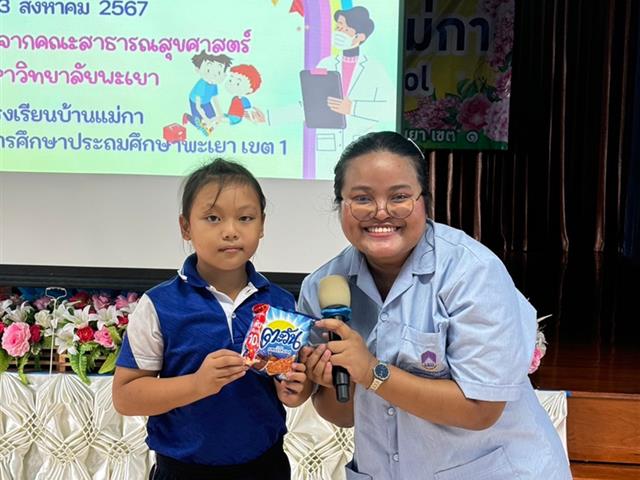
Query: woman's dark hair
[
  {"x": 223, "y": 172},
  {"x": 382, "y": 142}
]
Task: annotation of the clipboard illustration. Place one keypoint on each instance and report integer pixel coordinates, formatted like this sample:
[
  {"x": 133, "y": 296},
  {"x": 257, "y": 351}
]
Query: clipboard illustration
[{"x": 316, "y": 86}]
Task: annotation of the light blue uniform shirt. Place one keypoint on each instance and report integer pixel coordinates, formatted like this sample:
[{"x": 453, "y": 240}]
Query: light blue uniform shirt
[{"x": 453, "y": 312}]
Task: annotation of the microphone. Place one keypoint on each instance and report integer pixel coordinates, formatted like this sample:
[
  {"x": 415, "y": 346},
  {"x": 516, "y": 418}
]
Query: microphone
[{"x": 335, "y": 301}]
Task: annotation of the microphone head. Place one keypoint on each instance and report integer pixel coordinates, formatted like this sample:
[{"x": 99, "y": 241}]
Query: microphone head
[{"x": 333, "y": 291}]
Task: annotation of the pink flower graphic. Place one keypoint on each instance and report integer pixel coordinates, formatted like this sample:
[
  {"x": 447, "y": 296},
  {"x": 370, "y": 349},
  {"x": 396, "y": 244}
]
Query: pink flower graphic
[
  {"x": 473, "y": 112},
  {"x": 16, "y": 339},
  {"x": 497, "y": 121}
]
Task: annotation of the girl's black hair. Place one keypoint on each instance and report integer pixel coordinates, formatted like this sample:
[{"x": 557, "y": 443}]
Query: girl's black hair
[
  {"x": 223, "y": 172},
  {"x": 382, "y": 142}
]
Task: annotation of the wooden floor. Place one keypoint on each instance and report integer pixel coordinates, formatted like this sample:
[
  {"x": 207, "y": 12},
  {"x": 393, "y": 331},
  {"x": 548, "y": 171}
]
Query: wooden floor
[
  {"x": 593, "y": 333},
  {"x": 593, "y": 353}
]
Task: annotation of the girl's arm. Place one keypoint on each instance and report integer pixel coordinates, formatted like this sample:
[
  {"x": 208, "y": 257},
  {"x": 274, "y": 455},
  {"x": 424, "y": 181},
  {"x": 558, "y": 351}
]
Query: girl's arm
[
  {"x": 141, "y": 392},
  {"x": 437, "y": 400},
  {"x": 294, "y": 390}
]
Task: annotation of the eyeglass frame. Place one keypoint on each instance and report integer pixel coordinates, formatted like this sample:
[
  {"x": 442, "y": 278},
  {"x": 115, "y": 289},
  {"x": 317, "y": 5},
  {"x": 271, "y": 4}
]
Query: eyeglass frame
[{"x": 378, "y": 208}]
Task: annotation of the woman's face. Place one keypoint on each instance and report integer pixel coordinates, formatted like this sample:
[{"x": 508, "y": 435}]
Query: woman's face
[{"x": 381, "y": 176}]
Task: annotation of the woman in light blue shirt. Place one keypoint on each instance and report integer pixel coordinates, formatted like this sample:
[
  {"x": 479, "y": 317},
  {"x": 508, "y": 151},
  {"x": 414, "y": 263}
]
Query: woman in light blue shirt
[{"x": 439, "y": 342}]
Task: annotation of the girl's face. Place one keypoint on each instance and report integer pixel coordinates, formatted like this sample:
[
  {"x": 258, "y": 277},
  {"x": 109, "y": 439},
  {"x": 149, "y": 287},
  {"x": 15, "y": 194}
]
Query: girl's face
[
  {"x": 224, "y": 228},
  {"x": 380, "y": 176}
]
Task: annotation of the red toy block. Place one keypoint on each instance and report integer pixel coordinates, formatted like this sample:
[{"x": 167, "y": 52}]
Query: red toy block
[{"x": 174, "y": 132}]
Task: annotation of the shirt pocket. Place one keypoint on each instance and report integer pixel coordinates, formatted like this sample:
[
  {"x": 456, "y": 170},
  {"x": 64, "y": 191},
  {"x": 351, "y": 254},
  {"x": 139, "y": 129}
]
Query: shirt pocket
[
  {"x": 352, "y": 474},
  {"x": 492, "y": 466},
  {"x": 423, "y": 353}
]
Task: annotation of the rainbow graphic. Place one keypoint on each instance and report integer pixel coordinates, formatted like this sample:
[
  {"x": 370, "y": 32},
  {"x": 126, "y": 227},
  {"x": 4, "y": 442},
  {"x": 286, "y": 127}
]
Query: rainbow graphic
[{"x": 318, "y": 16}]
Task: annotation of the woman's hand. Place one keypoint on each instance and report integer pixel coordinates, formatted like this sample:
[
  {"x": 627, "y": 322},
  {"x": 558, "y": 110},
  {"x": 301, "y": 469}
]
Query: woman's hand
[
  {"x": 318, "y": 365},
  {"x": 294, "y": 387},
  {"x": 350, "y": 352}
]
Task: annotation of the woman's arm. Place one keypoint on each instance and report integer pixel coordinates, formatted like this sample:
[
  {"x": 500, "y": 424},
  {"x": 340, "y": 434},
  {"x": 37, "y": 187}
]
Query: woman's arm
[
  {"x": 141, "y": 392},
  {"x": 437, "y": 400},
  {"x": 325, "y": 403}
]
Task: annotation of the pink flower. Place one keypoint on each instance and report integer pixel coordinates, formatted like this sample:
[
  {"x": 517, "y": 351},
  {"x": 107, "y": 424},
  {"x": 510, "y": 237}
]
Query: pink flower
[
  {"x": 103, "y": 337},
  {"x": 473, "y": 111},
  {"x": 42, "y": 303},
  {"x": 538, "y": 353},
  {"x": 123, "y": 302},
  {"x": 85, "y": 334},
  {"x": 1, "y": 328},
  {"x": 100, "y": 301},
  {"x": 497, "y": 118},
  {"x": 36, "y": 333},
  {"x": 16, "y": 339}
]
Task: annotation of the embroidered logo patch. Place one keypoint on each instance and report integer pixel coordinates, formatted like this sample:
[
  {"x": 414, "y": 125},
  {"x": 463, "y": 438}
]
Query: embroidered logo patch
[{"x": 429, "y": 360}]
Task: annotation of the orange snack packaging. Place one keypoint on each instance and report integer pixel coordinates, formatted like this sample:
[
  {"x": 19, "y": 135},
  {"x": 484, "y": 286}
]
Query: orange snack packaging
[{"x": 274, "y": 339}]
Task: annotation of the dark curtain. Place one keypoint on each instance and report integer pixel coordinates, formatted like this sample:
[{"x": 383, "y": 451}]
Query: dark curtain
[
  {"x": 563, "y": 184},
  {"x": 632, "y": 224}
]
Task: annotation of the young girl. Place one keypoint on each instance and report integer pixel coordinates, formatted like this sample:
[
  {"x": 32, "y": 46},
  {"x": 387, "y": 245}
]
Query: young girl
[
  {"x": 180, "y": 362},
  {"x": 439, "y": 343}
]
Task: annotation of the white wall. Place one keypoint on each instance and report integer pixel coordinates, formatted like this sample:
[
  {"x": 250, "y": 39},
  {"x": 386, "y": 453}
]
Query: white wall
[{"x": 131, "y": 221}]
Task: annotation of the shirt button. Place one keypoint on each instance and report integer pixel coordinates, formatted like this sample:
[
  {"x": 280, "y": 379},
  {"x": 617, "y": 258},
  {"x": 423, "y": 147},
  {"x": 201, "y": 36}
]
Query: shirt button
[
  {"x": 391, "y": 411},
  {"x": 233, "y": 315},
  {"x": 396, "y": 457},
  {"x": 384, "y": 316}
]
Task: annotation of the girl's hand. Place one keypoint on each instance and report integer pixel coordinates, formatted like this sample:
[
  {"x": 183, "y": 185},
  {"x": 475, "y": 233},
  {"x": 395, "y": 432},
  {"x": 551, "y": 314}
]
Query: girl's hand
[
  {"x": 295, "y": 387},
  {"x": 350, "y": 352},
  {"x": 217, "y": 370},
  {"x": 317, "y": 360}
]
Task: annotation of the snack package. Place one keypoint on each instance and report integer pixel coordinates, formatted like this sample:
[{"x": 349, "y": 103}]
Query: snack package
[{"x": 274, "y": 339}]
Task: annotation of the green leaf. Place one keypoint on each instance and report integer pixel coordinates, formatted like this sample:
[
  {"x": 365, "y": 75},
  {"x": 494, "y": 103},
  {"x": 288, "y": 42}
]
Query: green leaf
[
  {"x": 87, "y": 347},
  {"x": 470, "y": 90},
  {"x": 461, "y": 85},
  {"x": 47, "y": 342},
  {"x": 109, "y": 364},
  {"x": 115, "y": 336},
  {"x": 79, "y": 366},
  {"x": 21, "y": 363},
  {"x": 5, "y": 359}
]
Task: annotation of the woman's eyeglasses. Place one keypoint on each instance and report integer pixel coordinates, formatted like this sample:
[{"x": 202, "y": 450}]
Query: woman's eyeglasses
[{"x": 364, "y": 207}]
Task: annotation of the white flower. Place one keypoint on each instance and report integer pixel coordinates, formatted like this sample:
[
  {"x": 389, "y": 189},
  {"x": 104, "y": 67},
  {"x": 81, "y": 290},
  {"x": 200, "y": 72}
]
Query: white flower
[
  {"x": 64, "y": 339},
  {"x": 47, "y": 321},
  {"x": 107, "y": 316},
  {"x": 81, "y": 318},
  {"x": 20, "y": 313}
]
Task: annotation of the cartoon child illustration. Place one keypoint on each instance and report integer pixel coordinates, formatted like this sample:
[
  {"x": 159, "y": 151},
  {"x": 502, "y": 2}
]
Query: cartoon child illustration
[
  {"x": 203, "y": 97},
  {"x": 243, "y": 80}
]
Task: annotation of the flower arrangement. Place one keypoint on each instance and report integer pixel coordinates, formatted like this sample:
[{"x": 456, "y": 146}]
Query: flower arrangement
[
  {"x": 85, "y": 327},
  {"x": 539, "y": 349}
]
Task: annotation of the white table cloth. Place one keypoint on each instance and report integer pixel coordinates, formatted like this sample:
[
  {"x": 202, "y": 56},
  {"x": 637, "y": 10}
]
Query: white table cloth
[{"x": 58, "y": 428}]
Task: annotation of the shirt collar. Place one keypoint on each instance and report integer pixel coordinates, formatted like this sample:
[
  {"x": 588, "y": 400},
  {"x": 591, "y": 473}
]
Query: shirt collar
[
  {"x": 422, "y": 259},
  {"x": 189, "y": 273}
]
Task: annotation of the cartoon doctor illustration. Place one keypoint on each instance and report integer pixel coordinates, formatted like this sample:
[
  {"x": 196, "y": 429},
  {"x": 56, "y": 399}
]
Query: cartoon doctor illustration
[
  {"x": 367, "y": 93},
  {"x": 368, "y": 96}
]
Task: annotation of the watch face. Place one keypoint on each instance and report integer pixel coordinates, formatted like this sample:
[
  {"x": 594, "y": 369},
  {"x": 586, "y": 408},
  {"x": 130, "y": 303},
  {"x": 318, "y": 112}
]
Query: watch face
[{"x": 381, "y": 371}]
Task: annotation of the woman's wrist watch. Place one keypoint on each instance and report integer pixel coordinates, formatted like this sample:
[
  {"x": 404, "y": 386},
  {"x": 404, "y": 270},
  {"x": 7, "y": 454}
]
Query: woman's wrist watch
[{"x": 381, "y": 374}]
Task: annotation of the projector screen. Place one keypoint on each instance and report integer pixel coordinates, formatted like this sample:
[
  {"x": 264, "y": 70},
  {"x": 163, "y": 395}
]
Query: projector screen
[{"x": 106, "y": 105}]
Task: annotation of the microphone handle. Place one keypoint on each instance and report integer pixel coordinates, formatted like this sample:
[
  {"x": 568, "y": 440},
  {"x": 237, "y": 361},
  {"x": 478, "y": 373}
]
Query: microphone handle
[{"x": 341, "y": 378}]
